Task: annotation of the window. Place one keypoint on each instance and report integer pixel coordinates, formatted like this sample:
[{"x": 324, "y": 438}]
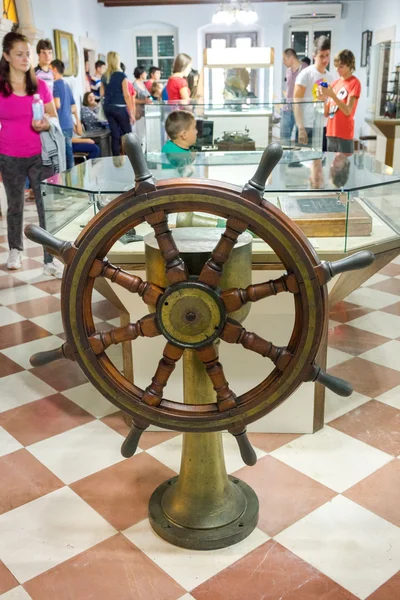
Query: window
[
  {"x": 302, "y": 39},
  {"x": 230, "y": 40},
  {"x": 155, "y": 49}
]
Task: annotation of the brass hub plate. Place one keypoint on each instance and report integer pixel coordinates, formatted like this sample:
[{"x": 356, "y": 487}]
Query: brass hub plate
[{"x": 190, "y": 314}]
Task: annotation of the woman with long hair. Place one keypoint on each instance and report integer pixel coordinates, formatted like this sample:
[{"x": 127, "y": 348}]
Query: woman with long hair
[
  {"x": 177, "y": 85},
  {"x": 117, "y": 101},
  {"x": 193, "y": 83},
  {"x": 142, "y": 93},
  {"x": 20, "y": 144}
]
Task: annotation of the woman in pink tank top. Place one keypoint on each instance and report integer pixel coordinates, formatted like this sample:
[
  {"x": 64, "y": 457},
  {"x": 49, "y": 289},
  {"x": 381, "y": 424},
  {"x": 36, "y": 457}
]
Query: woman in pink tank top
[{"x": 20, "y": 145}]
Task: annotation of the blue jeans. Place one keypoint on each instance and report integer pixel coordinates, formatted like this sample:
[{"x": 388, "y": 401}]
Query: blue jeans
[
  {"x": 288, "y": 123},
  {"x": 69, "y": 155},
  {"x": 92, "y": 149},
  {"x": 118, "y": 119}
]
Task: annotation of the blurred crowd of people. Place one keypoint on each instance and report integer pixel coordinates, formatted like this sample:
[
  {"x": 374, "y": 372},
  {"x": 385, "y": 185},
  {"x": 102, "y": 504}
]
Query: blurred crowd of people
[{"x": 34, "y": 147}]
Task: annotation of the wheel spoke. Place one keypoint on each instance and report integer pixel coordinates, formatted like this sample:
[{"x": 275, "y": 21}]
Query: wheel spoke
[
  {"x": 226, "y": 399},
  {"x": 145, "y": 327},
  {"x": 148, "y": 291},
  {"x": 154, "y": 392},
  {"x": 234, "y": 333},
  {"x": 212, "y": 271},
  {"x": 175, "y": 268},
  {"x": 236, "y": 297}
]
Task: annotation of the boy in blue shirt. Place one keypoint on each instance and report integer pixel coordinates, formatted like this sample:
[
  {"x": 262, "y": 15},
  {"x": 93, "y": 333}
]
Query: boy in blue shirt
[
  {"x": 181, "y": 129},
  {"x": 66, "y": 107}
]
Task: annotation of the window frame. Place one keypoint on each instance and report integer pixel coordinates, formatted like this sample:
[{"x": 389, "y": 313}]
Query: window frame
[{"x": 154, "y": 34}]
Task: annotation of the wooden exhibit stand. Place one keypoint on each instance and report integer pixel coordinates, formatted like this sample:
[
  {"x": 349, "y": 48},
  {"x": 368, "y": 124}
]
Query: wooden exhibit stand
[{"x": 388, "y": 141}]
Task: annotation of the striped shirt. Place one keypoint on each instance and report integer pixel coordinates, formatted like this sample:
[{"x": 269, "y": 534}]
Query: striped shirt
[{"x": 46, "y": 76}]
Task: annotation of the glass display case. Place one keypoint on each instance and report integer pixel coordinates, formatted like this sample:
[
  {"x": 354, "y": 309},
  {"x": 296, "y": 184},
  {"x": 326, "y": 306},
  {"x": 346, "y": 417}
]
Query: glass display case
[
  {"x": 232, "y": 76},
  {"x": 384, "y": 81},
  {"x": 245, "y": 126},
  {"x": 341, "y": 203}
]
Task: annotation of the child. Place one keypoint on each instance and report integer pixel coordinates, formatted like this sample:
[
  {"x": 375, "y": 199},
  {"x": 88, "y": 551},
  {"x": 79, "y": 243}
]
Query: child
[
  {"x": 156, "y": 91},
  {"x": 341, "y": 103},
  {"x": 181, "y": 129},
  {"x": 66, "y": 107}
]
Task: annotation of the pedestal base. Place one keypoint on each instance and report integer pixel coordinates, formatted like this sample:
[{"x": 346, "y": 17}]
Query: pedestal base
[{"x": 205, "y": 538}]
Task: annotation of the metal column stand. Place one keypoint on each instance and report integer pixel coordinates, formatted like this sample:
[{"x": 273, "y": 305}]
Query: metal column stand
[{"x": 202, "y": 508}]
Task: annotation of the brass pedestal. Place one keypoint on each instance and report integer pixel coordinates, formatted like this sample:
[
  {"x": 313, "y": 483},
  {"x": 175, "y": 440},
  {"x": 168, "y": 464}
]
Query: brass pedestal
[{"x": 202, "y": 508}]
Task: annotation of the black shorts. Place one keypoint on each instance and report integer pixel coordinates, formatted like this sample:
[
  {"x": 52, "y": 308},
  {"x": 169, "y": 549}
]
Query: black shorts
[{"x": 336, "y": 144}]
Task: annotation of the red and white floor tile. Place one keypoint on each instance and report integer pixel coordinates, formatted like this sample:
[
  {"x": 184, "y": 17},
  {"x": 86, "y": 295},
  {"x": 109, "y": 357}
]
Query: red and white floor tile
[{"x": 73, "y": 512}]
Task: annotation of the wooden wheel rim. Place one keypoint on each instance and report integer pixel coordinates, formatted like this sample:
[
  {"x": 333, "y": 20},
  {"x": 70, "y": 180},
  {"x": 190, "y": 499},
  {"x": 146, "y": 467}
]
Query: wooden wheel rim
[{"x": 290, "y": 245}]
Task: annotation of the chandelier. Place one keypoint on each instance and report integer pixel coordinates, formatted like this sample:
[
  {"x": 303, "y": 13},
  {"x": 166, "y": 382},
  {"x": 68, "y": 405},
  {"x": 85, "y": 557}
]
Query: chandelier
[{"x": 237, "y": 11}]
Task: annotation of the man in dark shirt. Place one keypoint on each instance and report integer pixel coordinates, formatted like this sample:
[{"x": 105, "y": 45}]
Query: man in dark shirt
[
  {"x": 95, "y": 81},
  {"x": 66, "y": 107}
]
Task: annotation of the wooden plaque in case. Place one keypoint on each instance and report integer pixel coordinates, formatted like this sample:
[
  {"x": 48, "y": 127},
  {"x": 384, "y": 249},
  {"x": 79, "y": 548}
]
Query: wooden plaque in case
[{"x": 325, "y": 216}]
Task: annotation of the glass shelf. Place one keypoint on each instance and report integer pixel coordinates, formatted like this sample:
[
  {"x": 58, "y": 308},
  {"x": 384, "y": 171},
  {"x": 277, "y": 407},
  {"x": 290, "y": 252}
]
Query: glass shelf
[{"x": 344, "y": 203}]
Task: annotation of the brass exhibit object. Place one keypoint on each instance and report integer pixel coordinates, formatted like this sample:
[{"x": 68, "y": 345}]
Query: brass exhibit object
[
  {"x": 202, "y": 508},
  {"x": 196, "y": 298}
]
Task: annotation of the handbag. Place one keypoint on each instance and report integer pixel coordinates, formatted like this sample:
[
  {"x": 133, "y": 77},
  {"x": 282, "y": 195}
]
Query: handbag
[{"x": 100, "y": 113}]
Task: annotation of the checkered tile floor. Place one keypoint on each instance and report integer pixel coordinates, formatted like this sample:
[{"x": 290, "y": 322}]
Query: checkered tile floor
[{"x": 73, "y": 512}]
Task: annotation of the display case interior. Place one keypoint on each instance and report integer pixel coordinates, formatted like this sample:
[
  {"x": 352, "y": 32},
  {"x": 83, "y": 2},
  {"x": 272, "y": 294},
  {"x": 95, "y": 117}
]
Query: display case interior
[
  {"x": 341, "y": 203},
  {"x": 384, "y": 81},
  {"x": 234, "y": 76},
  {"x": 248, "y": 127}
]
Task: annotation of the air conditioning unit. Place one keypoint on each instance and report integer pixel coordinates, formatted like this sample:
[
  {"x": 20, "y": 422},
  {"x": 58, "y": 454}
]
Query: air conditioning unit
[{"x": 314, "y": 11}]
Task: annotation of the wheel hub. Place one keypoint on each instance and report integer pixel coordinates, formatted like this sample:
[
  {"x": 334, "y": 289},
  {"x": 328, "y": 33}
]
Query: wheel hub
[{"x": 190, "y": 314}]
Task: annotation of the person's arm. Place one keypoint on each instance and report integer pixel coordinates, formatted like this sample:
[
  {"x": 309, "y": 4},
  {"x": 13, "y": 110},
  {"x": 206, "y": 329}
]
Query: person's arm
[
  {"x": 133, "y": 100},
  {"x": 82, "y": 140},
  {"x": 184, "y": 93},
  {"x": 50, "y": 109},
  {"x": 127, "y": 97},
  {"x": 345, "y": 108},
  {"x": 102, "y": 90},
  {"x": 299, "y": 91},
  {"x": 78, "y": 124}
]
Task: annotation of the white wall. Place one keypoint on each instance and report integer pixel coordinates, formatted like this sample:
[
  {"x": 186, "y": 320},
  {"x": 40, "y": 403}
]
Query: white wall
[
  {"x": 381, "y": 14},
  {"x": 377, "y": 16}
]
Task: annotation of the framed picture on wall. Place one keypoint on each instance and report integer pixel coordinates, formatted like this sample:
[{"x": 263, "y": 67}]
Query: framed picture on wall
[
  {"x": 65, "y": 51},
  {"x": 102, "y": 57},
  {"x": 365, "y": 46}
]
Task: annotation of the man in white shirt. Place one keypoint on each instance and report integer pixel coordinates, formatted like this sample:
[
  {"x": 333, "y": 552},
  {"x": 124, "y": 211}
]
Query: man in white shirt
[
  {"x": 307, "y": 83},
  {"x": 43, "y": 71}
]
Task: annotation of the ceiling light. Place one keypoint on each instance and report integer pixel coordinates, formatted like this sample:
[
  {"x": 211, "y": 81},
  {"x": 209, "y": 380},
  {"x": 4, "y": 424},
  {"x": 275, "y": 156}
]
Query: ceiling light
[{"x": 239, "y": 12}]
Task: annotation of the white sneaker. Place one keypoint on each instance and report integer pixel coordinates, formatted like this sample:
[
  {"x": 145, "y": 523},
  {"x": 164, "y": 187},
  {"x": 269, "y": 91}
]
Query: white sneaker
[
  {"x": 52, "y": 270},
  {"x": 14, "y": 259}
]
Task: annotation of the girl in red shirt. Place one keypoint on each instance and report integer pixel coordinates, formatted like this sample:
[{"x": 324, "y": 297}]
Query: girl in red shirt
[
  {"x": 177, "y": 85},
  {"x": 341, "y": 103}
]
